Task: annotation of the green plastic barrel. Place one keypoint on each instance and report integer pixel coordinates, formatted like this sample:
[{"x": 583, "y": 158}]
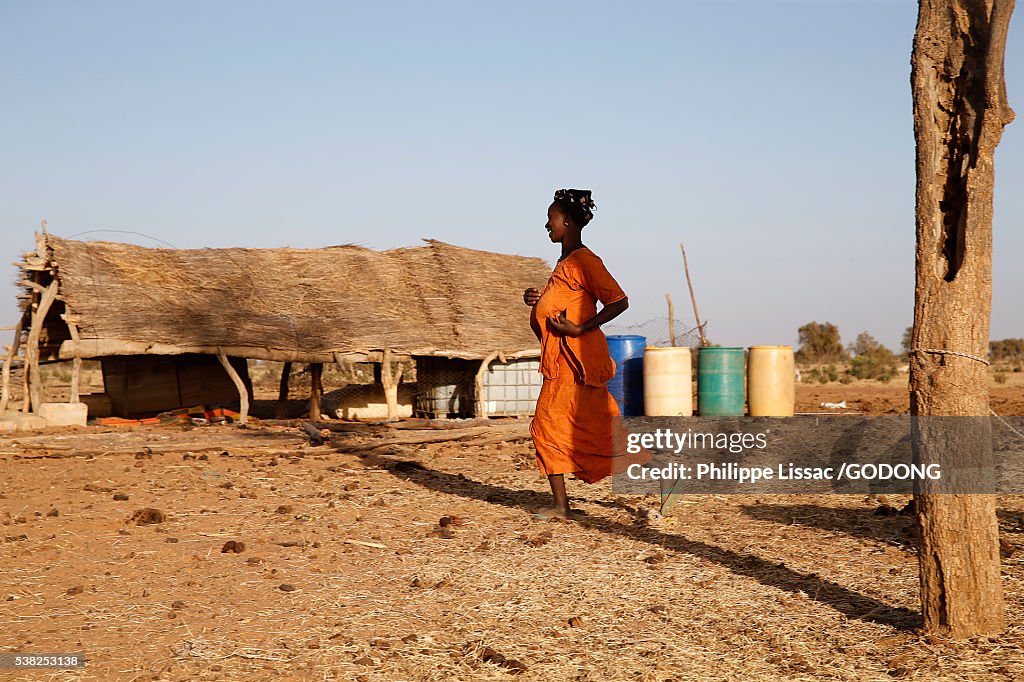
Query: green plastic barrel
[{"x": 720, "y": 381}]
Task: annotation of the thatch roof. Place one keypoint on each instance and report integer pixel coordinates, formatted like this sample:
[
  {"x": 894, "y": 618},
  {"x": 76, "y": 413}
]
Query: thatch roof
[{"x": 289, "y": 304}]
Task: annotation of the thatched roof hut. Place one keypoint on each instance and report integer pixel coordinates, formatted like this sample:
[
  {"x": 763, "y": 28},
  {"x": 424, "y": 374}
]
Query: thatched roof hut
[
  {"x": 103, "y": 299},
  {"x": 290, "y": 304}
]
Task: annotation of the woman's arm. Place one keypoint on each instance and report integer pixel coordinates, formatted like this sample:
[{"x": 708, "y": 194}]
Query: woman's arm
[
  {"x": 563, "y": 325},
  {"x": 606, "y": 314}
]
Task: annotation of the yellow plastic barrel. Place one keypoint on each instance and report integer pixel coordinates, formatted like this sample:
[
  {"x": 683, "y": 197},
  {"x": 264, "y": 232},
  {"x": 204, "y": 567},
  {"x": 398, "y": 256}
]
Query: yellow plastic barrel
[
  {"x": 668, "y": 391},
  {"x": 771, "y": 387}
]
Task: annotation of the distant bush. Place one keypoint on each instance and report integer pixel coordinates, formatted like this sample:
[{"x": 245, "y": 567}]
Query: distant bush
[
  {"x": 1006, "y": 349},
  {"x": 1000, "y": 376},
  {"x": 823, "y": 375},
  {"x": 820, "y": 343},
  {"x": 872, "y": 367},
  {"x": 907, "y": 343},
  {"x": 871, "y": 359}
]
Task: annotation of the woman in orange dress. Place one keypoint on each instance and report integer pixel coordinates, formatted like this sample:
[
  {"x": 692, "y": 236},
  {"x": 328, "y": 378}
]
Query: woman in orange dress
[{"x": 575, "y": 418}]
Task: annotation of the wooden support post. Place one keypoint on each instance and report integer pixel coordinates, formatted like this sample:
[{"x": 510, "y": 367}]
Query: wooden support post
[
  {"x": 35, "y": 378},
  {"x": 76, "y": 365},
  {"x": 243, "y": 392},
  {"x": 26, "y": 399},
  {"x": 344, "y": 365},
  {"x": 693, "y": 298},
  {"x": 281, "y": 411},
  {"x": 247, "y": 380},
  {"x": 387, "y": 380},
  {"x": 5, "y": 393},
  {"x": 76, "y": 378},
  {"x": 479, "y": 404},
  {"x": 671, "y": 320},
  {"x": 316, "y": 390}
]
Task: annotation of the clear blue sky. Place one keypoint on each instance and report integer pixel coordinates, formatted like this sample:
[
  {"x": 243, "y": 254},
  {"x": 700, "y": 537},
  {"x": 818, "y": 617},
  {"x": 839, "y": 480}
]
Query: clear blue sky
[{"x": 775, "y": 138}]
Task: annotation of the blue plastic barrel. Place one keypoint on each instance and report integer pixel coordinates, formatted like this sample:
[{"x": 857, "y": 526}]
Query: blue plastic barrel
[{"x": 627, "y": 386}]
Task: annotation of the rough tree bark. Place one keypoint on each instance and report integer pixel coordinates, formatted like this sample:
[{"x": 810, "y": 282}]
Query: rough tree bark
[{"x": 960, "y": 109}]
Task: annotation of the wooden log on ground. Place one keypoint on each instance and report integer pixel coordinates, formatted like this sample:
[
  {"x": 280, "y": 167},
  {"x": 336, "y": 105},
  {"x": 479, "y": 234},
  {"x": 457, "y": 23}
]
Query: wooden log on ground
[
  {"x": 512, "y": 437},
  {"x": 336, "y": 427},
  {"x": 441, "y": 424},
  {"x": 485, "y": 434},
  {"x": 313, "y": 433}
]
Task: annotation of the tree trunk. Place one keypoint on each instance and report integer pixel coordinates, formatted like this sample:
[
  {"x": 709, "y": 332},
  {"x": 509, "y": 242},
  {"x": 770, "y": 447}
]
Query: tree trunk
[{"x": 960, "y": 109}]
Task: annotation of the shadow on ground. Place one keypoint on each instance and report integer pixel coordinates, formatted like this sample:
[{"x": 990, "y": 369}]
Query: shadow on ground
[
  {"x": 848, "y": 602},
  {"x": 897, "y": 530}
]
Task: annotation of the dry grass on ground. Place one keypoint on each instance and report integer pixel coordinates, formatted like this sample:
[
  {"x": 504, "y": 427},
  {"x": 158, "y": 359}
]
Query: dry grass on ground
[{"x": 736, "y": 588}]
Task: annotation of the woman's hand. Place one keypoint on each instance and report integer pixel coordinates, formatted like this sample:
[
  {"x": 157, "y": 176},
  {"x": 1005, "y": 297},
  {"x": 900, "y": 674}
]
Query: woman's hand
[
  {"x": 564, "y": 326},
  {"x": 531, "y": 296}
]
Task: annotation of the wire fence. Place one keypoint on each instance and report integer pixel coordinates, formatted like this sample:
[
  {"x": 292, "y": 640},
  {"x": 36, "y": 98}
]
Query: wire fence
[{"x": 657, "y": 332}]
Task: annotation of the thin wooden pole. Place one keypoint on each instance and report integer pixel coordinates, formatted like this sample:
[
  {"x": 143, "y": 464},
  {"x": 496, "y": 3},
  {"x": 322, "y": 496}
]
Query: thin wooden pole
[
  {"x": 5, "y": 394},
  {"x": 671, "y": 320},
  {"x": 282, "y": 392},
  {"x": 26, "y": 399},
  {"x": 76, "y": 365},
  {"x": 316, "y": 390},
  {"x": 693, "y": 298},
  {"x": 247, "y": 380},
  {"x": 76, "y": 377},
  {"x": 387, "y": 380},
  {"x": 35, "y": 377},
  {"x": 243, "y": 392},
  {"x": 478, "y": 385}
]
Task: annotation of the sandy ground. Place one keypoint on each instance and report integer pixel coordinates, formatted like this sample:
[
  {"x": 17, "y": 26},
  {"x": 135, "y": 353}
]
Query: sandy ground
[
  {"x": 422, "y": 562},
  {"x": 873, "y": 397},
  {"x": 374, "y": 559}
]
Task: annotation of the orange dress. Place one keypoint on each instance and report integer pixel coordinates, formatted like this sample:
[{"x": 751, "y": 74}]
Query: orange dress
[{"x": 576, "y": 417}]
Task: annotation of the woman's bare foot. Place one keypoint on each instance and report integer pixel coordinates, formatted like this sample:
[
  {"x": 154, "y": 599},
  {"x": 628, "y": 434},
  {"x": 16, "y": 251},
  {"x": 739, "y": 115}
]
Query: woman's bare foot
[
  {"x": 553, "y": 513},
  {"x": 560, "y": 507}
]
